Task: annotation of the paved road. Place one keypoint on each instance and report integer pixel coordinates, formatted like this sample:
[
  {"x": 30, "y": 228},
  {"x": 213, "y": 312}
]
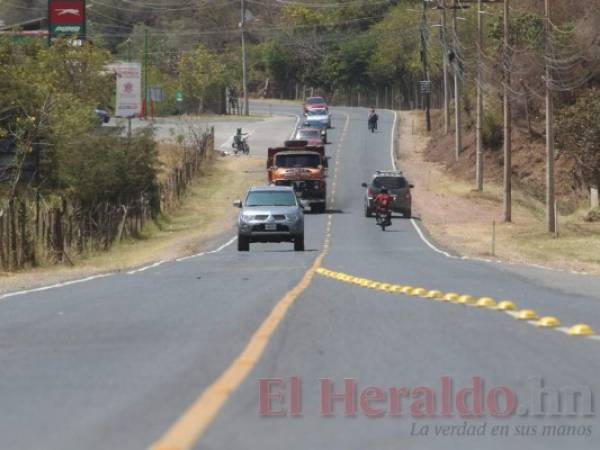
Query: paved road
[
  {"x": 263, "y": 130},
  {"x": 171, "y": 355}
]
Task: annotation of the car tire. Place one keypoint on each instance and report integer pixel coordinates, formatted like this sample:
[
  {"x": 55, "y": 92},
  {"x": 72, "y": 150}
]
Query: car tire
[
  {"x": 243, "y": 243},
  {"x": 368, "y": 212},
  {"x": 407, "y": 213},
  {"x": 299, "y": 243}
]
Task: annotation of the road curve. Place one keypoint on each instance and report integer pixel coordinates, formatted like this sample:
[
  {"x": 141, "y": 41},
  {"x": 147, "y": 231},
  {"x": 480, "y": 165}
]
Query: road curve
[{"x": 116, "y": 362}]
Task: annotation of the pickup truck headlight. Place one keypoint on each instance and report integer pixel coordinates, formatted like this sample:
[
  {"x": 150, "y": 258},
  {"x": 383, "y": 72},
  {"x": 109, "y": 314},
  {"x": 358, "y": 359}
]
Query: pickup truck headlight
[{"x": 246, "y": 218}]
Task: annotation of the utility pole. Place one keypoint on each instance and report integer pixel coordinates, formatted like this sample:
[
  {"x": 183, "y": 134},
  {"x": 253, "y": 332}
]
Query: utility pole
[
  {"x": 507, "y": 200},
  {"x": 457, "y": 112},
  {"x": 550, "y": 197},
  {"x": 424, "y": 33},
  {"x": 145, "y": 101},
  {"x": 478, "y": 137},
  {"x": 443, "y": 37},
  {"x": 129, "y": 60},
  {"x": 244, "y": 62}
]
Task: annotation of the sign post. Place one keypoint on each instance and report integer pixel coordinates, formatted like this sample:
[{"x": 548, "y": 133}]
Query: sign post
[
  {"x": 66, "y": 18},
  {"x": 129, "y": 89}
]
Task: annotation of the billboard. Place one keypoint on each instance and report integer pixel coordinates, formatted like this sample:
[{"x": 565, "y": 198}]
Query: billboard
[
  {"x": 129, "y": 89},
  {"x": 66, "y": 18}
]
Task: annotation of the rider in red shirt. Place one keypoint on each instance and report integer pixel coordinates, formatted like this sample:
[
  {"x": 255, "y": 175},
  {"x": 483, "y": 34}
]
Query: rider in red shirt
[{"x": 383, "y": 201}]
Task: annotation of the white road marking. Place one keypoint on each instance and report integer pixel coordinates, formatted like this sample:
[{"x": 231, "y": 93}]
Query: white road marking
[
  {"x": 55, "y": 286},
  {"x": 468, "y": 258},
  {"x": 217, "y": 250},
  {"x": 143, "y": 269}
]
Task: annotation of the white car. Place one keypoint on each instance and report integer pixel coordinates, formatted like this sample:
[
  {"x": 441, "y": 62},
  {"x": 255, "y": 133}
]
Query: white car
[{"x": 319, "y": 115}]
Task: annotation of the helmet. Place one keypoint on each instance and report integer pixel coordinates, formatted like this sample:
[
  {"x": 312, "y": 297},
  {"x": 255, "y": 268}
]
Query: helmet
[
  {"x": 239, "y": 130},
  {"x": 383, "y": 190}
]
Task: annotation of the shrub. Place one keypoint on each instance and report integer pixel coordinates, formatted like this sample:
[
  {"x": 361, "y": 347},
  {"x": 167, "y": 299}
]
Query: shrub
[{"x": 491, "y": 130}]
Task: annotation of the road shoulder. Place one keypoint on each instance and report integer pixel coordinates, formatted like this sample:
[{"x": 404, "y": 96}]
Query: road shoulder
[{"x": 463, "y": 220}]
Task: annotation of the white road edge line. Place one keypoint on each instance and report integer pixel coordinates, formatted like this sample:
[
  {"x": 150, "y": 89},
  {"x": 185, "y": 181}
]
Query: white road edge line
[
  {"x": 217, "y": 250},
  {"x": 468, "y": 258},
  {"x": 142, "y": 269},
  {"x": 55, "y": 286}
]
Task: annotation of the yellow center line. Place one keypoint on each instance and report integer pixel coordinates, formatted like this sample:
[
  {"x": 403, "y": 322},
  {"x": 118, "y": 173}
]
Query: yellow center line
[{"x": 192, "y": 424}]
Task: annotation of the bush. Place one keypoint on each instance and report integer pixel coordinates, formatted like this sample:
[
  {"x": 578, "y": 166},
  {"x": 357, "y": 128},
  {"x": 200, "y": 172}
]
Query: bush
[
  {"x": 578, "y": 135},
  {"x": 491, "y": 131}
]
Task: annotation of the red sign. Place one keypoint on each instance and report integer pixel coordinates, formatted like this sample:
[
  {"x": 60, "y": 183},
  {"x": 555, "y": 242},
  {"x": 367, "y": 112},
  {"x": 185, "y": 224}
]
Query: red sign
[
  {"x": 67, "y": 12},
  {"x": 66, "y": 18}
]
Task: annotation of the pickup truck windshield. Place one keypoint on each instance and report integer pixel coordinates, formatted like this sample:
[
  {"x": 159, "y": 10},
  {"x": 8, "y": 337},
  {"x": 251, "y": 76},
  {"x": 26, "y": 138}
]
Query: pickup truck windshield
[
  {"x": 297, "y": 161},
  {"x": 270, "y": 198},
  {"x": 303, "y": 134}
]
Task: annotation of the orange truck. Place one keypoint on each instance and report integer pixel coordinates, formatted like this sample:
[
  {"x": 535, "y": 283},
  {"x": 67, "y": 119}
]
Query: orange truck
[{"x": 302, "y": 166}]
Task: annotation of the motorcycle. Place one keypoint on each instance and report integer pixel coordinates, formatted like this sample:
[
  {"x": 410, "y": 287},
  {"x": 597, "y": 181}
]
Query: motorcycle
[
  {"x": 240, "y": 144},
  {"x": 373, "y": 123},
  {"x": 383, "y": 218}
]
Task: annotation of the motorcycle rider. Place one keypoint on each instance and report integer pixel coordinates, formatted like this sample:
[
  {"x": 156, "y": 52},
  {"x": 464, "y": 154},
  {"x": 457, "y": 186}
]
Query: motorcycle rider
[
  {"x": 383, "y": 202},
  {"x": 238, "y": 140},
  {"x": 373, "y": 118}
]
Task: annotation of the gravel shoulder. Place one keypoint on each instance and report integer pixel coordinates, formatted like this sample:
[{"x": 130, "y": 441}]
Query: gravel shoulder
[{"x": 463, "y": 220}]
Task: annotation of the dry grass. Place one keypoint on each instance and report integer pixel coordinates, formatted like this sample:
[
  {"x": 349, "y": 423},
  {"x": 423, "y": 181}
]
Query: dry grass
[
  {"x": 462, "y": 219},
  {"x": 206, "y": 214}
]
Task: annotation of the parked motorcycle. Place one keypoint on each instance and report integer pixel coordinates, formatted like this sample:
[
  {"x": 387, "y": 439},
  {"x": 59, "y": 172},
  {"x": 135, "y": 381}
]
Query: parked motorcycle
[{"x": 240, "y": 144}]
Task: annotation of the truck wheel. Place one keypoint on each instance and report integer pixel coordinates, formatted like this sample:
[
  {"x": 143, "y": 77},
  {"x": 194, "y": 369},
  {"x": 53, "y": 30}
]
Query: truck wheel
[
  {"x": 243, "y": 243},
  {"x": 299, "y": 243},
  {"x": 407, "y": 214},
  {"x": 319, "y": 208}
]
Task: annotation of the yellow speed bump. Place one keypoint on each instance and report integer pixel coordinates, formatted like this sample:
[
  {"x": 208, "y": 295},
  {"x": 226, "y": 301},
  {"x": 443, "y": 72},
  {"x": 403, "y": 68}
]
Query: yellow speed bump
[
  {"x": 526, "y": 314},
  {"x": 364, "y": 282},
  {"x": 466, "y": 300},
  {"x": 434, "y": 294},
  {"x": 418, "y": 291},
  {"x": 548, "y": 322},
  {"x": 506, "y": 305},
  {"x": 385, "y": 287},
  {"x": 485, "y": 302},
  {"x": 450, "y": 297},
  {"x": 581, "y": 329},
  {"x": 375, "y": 285},
  {"x": 396, "y": 288},
  {"x": 406, "y": 289}
]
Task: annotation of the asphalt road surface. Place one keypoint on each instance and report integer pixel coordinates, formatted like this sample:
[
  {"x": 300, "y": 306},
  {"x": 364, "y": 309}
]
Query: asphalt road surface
[{"x": 170, "y": 356}]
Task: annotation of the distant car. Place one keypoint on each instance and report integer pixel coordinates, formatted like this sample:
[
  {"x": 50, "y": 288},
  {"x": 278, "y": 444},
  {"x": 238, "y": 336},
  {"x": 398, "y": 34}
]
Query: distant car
[
  {"x": 319, "y": 114},
  {"x": 312, "y": 136},
  {"x": 319, "y": 125},
  {"x": 397, "y": 186},
  {"x": 315, "y": 103},
  {"x": 270, "y": 214},
  {"x": 102, "y": 115}
]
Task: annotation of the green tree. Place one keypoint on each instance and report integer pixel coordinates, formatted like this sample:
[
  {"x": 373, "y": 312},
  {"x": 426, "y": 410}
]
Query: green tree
[{"x": 202, "y": 76}]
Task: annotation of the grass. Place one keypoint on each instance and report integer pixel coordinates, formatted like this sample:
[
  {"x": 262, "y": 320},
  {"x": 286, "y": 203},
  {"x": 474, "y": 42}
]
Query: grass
[
  {"x": 205, "y": 214},
  {"x": 468, "y": 230}
]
